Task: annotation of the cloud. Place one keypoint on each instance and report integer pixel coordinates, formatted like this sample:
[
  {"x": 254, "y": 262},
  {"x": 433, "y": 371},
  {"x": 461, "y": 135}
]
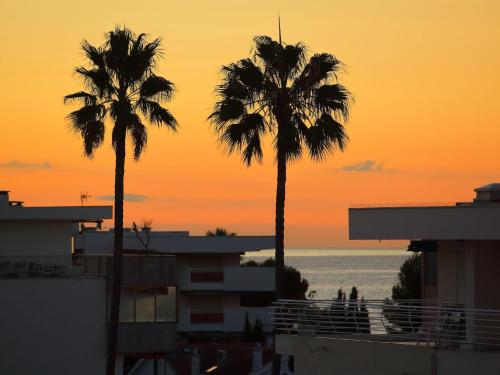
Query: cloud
[
  {"x": 364, "y": 166},
  {"x": 16, "y": 164},
  {"x": 126, "y": 197}
]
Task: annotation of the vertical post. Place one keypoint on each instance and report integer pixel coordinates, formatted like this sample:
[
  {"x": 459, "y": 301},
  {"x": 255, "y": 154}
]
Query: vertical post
[
  {"x": 469, "y": 295},
  {"x": 195, "y": 362},
  {"x": 257, "y": 357},
  {"x": 119, "y": 365}
]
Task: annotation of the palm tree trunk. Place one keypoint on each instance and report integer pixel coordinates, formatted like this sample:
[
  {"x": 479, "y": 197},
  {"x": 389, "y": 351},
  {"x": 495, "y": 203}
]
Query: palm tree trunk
[
  {"x": 280, "y": 242},
  {"x": 117, "y": 253},
  {"x": 280, "y": 226}
]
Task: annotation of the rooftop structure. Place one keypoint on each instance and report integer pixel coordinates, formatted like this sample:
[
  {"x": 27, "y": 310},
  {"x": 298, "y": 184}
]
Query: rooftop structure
[{"x": 455, "y": 327}]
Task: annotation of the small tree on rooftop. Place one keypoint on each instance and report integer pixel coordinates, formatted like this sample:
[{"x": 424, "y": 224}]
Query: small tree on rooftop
[{"x": 220, "y": 232}]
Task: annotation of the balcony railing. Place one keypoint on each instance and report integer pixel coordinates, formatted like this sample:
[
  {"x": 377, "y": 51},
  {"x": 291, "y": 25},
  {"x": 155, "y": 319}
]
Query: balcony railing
[
  {"x": 448, "y": 325},
  {"x": 24, "y": 266},
  {"x": 137, "y": 269}
]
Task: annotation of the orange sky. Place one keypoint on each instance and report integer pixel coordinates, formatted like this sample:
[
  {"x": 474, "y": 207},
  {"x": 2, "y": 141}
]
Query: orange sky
[{"x": 425, "y": 75}]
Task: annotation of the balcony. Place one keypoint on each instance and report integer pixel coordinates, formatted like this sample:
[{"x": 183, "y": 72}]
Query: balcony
[
  {"x": 388, "y": 337},
  {"x": 137, "y": 269},
  {"x": 222, "y": 320},
  {"x": 418, "y": 322},
  {"x": 230, "y": 279}
]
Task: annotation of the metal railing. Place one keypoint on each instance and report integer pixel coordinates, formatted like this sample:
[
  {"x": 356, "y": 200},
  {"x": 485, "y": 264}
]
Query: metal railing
[
  {"x": 24, "y": 266},
  {"x": 29, "y": 266},
  {"x": 442, "y": 325}
]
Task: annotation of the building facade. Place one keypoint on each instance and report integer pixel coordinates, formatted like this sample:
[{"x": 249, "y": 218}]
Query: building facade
[{"x": 55, "y": 268}]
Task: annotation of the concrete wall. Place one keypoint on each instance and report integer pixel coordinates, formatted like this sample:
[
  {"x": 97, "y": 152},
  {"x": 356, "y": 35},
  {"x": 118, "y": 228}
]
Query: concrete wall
[
  {"x": 36, "y": 237},
  {"x": 147, "y": 337},
  {"x": 477, "y": 222},
  {"x": 487, "y": 275},
  {"x": 52, "y": 326},
  {"x": 320, "y": 356}
]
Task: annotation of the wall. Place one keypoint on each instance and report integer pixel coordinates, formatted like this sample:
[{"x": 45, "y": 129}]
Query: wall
[
  {"x": 319, "y": 356},
  {"x": 52, "y": 326},
  {"x": 487, "y": 275},
  {"x": 36, "y": 237}
]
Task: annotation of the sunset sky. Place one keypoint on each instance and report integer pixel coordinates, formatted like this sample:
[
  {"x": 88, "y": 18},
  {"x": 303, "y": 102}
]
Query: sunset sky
[{"x": 425, "y": 126}]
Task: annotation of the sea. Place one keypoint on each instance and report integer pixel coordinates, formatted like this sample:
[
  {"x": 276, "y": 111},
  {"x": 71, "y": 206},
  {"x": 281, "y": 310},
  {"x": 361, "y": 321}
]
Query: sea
[{"x": 372, "y": 271}]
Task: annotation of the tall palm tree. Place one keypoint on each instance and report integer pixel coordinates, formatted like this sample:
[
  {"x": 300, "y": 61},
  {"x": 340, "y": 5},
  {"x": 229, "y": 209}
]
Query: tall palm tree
[
  {"x": 121, "y": 85},
  {"x": 299, "y": 101}
]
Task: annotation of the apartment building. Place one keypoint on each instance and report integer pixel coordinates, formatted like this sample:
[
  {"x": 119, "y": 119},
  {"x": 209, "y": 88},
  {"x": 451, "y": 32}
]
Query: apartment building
[
  {"x": 55, "y": 279},
  {"x": 453, "y": 330}
]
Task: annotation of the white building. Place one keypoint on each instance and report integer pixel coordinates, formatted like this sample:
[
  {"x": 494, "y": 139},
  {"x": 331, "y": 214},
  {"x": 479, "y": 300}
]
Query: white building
[
  {"x": 214, "y": 293},
  {"x": 50, "y": 321},
  {"x": 453, "y": 330},
  {"x": 54, "y": 289}
]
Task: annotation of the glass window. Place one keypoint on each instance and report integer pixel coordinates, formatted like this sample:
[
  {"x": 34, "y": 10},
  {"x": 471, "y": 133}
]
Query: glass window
[
  {"x": 144, "y": 305},
  {"x": 166, "y": 304},
  {"x": 127, "y": 306}
]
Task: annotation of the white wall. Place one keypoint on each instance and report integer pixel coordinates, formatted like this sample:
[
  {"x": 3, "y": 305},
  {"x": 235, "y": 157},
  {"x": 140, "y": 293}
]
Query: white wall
[
  {"x": 320, "y": 356},
  {"x": 477, "y": 222},
  {"x": 52, "y": 326},
  {"x": 35, "y": 237}
]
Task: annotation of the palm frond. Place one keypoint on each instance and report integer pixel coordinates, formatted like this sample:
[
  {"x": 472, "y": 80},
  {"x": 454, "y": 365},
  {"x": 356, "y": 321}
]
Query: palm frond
[
  {"x": 291, "y": 61},
  {"x": 79, "y": 119},
  {"x": 319, "y": 68},
  {"x": 139, "y": 135},
  {"x": 326, "y": 136},
  {"x": 93, "y": 136},
  {"x": 236, "y": 135},
  {"x": 82, "y": 97},
  {"x": 97, "y": 80},
  {"x": 227, "y": 110},
  {"x": 245, "y": 73},
  {"x": 94, "y": 54},
  {"x": 142, "y": 60},
  {"x": 118, "y": 44},
  {"x": 157, "y": 114},
  {"x": 334, "y": 98},
  {"x": 156, "y": 87},
  {"x": 268, "y": 51},
  {"x": 253, "y": 150}
]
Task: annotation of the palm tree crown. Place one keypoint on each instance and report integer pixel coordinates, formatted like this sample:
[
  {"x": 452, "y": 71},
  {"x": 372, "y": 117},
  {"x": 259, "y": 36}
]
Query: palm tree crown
[
  {"x": 279, "y": 91},
  {"x": 121, "y": 83}
]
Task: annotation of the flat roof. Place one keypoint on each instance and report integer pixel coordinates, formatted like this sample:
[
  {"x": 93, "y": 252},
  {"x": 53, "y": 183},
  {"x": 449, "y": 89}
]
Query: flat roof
[
  {"x": 101, "y": 242},
  {"x": 60, "y": 213},
  {"x": 460, "y": 222}
]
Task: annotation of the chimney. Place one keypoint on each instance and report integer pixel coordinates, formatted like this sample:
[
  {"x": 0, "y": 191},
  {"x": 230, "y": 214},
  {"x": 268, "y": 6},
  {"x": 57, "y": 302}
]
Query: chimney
[
  {"x": 4, "y": 198},
  {"x": 488, "y": 193}
]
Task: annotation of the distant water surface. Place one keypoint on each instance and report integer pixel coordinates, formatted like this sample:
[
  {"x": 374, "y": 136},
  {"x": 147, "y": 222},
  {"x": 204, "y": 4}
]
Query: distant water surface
[{"x": 372, "y": 271}]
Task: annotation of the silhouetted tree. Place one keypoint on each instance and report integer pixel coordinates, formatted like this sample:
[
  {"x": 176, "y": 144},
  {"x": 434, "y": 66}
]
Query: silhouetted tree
[
  {"x": 220, "y": 232},
  {"x": 404, "y": 312},
  {"x": 258, "y": 331},
  {"x": 121, "y": 85},
  {"x": 247, "y": 330},
  {"x": 409, "y": 284},
  {"x": 298, "y": 101}
]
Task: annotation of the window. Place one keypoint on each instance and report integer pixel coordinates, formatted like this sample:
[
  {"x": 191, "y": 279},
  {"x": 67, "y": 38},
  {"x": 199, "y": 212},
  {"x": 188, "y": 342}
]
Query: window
[{"x": 148, "y": 305}]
